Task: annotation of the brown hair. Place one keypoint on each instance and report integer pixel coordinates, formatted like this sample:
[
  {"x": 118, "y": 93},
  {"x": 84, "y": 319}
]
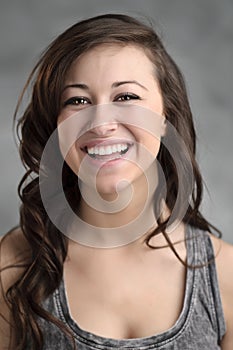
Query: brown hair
[{"x": 48, "y": 245}]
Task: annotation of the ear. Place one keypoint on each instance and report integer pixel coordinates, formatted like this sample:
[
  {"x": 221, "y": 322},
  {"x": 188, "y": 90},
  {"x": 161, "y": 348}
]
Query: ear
[{"x": 163, "y": 126}]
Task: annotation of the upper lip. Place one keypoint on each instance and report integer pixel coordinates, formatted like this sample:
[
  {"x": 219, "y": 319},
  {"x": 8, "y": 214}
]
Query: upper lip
[{"x": 104, "y": 142}]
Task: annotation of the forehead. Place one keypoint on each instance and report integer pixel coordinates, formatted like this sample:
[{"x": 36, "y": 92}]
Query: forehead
[{"x": 110, "y": 59}]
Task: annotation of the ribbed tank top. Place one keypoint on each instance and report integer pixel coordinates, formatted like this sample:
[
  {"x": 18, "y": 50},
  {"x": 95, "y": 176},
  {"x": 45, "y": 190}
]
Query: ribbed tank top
[{"x": 200, "y": 325}]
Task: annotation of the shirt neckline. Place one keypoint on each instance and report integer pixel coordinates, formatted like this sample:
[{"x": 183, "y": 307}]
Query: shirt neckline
[{"x": 100, "y": 342}]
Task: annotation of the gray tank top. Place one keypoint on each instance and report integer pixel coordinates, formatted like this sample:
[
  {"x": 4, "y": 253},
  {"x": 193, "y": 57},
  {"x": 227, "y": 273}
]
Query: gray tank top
[{"x": 200, "y": 325}]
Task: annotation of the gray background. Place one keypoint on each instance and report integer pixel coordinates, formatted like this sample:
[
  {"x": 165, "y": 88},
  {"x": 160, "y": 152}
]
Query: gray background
[{"x": 198, "y": 34}]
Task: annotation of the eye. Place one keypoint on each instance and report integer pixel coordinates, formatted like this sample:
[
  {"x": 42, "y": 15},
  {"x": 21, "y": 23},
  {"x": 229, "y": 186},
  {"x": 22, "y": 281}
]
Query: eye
[
  {"x": 126, "y": 97},
  {"x": 77, "y": 101}
]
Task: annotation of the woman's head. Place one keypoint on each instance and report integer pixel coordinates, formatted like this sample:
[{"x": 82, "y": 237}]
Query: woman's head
[
  {"x": 65, "y": 61},
  {"x": 116, "y": 107},
  {"x": 40, "y": 119}
]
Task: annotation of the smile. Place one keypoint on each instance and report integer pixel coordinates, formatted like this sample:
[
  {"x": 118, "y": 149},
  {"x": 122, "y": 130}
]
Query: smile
[
  {"x": 110, "y": 151},
  {"x": 107, "y": 152}
]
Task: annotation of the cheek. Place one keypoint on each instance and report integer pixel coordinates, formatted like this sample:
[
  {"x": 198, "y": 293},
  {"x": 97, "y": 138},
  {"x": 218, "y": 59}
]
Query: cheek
[
  {"x": 63, "y": 116},
  {"x": 148, "y": 141},
  {"x": 68, "y": 137},
  {"x": 68, "y": 144},
  {"x": 157, "y": 105},
  {"x": 72, "y": 159},
  {"x": 152, "y": 144}
]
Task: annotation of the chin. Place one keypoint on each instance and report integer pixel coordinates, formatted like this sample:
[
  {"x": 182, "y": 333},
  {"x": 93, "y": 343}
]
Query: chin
[{"x": 108, "y": 188}]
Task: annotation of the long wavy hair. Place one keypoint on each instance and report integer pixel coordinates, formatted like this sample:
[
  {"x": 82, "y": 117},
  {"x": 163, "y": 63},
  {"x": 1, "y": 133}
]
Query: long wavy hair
[{"x": 44, "y": 271}]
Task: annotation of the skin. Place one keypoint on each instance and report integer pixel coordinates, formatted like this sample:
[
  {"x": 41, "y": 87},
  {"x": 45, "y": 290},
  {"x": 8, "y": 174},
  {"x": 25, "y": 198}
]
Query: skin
[
  {"x": 125, "y": 296},
  {"x": 100, "y": 70}
]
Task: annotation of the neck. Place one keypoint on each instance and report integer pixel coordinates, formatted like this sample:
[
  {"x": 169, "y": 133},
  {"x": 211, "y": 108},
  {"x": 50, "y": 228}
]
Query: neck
[{"x": 115, "y": 219}]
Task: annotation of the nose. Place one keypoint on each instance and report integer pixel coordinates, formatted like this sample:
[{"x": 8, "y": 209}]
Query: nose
[
  {"x": 105, "y": 129},
  {"x": 103, "y": 121}
]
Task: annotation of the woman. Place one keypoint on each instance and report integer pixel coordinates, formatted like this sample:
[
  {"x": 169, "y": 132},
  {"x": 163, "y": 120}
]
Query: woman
[{"x": 133, "y": 264}]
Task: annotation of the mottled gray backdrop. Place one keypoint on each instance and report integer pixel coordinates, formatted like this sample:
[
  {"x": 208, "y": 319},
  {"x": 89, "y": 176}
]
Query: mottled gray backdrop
[{"x": 199, "y": 35}]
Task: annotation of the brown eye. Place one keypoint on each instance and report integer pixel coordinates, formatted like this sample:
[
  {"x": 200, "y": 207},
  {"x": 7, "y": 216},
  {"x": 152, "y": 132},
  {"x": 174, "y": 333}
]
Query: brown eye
[
  {"x": 126, "y": 97},
  {"x": 77, "y": 101}
]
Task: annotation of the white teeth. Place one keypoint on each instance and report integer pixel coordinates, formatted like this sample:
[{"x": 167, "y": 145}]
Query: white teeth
[
  {"x": 91, "y": 150},
  {"x": 118, "y": 148},
  {"x": 107, "y": 150}
]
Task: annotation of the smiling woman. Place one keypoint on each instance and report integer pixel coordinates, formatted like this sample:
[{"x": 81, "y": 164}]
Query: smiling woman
[
  {"x": 110, "y": 119},
  {"x": 99, "y": 77}
]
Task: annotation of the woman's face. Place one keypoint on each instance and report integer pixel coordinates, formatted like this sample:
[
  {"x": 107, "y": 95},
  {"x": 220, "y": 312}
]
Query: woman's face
[{"x": 108, "y": 77}]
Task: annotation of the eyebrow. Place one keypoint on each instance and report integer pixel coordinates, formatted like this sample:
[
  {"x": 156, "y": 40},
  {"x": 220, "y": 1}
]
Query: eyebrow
[
  {"x": 114, "y": 85},
  {"x": 78, "y": 86},
  {"x": 119, "y": 83}
]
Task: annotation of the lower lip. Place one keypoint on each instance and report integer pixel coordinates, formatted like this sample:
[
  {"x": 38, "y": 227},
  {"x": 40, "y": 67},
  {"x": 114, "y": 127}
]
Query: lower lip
[{"x": 112, "y": 162}]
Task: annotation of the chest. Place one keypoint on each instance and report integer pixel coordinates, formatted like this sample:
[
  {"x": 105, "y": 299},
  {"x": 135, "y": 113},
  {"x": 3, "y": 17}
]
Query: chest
[{"x": 126, "y": 301}]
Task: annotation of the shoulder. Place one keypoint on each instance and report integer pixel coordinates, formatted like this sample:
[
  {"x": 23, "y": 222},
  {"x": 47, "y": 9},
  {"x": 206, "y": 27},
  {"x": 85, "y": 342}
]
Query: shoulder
[
  {"x": 224, "y": 266},
  {"x": 14, "y": 253},
  {"x": 13, "y": 248}
]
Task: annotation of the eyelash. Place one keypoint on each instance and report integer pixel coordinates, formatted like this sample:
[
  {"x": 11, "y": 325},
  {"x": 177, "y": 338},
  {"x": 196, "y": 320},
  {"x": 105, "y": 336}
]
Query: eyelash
[
  {"x": 85, "y": 100},
  {"x": 73, "y": 101},
  {"x": 127, "y": 94}
]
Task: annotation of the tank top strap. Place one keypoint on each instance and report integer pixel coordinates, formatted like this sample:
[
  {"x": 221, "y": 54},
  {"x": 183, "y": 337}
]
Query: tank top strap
[{"x": 204, "y": 255}]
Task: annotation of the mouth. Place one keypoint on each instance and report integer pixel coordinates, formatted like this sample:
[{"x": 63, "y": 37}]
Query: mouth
[{"x": 107, "y": 152}]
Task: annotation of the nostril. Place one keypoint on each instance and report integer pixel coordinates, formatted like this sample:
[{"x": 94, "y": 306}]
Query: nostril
[{"x": 104, "y": 129}]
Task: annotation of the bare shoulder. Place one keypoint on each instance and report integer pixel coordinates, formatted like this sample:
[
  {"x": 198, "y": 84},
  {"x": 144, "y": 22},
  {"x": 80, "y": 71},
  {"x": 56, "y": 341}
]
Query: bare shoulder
[
  {"x": 224, "y": 265},
  {"x": 14, "y": 253},
  {"x": 13, "y": 247}
]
